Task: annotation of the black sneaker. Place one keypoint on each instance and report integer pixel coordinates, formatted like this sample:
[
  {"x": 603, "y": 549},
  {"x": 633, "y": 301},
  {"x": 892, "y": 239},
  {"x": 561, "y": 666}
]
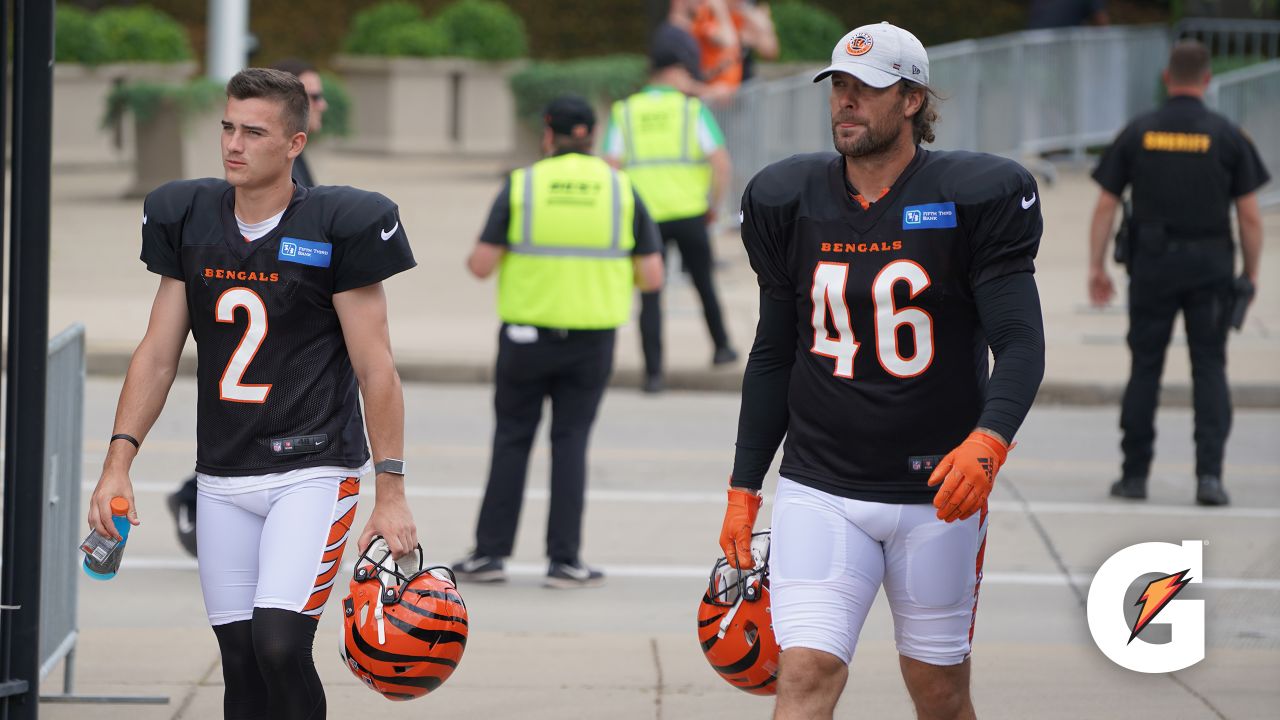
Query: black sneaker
[
  {"x": 1209, "y": 491},
  {"x": 653, "y": 384},
  {"x": 567, "y": 577},
  {"x": 1130, "y": 488},
  {"x": 182, "y": 504},
  {"x": 480, "y": 568},
  {"x": 724, "y": 356}
]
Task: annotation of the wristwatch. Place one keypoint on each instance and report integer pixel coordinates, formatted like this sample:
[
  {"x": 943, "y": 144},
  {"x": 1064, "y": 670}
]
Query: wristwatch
[{"x": 389, "y": 465}]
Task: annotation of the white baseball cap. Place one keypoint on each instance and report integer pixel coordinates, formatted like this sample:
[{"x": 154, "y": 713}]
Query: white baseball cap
[{"x": 879, "y": 55}]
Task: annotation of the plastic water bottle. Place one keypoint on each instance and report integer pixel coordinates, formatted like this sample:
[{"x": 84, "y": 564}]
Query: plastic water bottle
[{"x": 102, "y": 555}]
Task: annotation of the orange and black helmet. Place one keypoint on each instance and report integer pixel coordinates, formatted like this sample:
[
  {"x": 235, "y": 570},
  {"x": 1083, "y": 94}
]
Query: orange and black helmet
[
  {"x": 403, "y": 635},
  {"x": 735, "y": 627}
]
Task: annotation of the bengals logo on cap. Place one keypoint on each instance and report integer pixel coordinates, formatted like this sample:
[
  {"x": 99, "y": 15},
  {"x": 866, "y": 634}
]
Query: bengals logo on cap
[{"x": 859, "y": 44}]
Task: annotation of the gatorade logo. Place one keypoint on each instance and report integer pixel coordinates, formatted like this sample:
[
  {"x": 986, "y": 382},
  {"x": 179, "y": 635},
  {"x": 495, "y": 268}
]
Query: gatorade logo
[{"x": 1177, "y": 565}]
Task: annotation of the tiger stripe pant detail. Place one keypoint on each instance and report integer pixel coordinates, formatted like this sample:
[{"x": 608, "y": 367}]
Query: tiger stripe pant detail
[{"x": 280, "y": 547}]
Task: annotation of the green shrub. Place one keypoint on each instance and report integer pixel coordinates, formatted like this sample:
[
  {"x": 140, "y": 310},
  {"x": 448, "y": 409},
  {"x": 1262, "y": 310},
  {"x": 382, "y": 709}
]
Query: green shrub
[
  {"x": 77, "y": 38},
  {"x": 805, "y": 32},
  {"x": 337, "y": 118},
  {"x": 483, "y": 30},
  {"x": 144, "y": 99},
  {"x": 599, "y": 79},
  {"x": 142, "y": 33},
  {"x": 392, "y": 29}
]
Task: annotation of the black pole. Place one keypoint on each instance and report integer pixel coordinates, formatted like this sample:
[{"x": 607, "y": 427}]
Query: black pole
[{"x": 28, "y": 350}]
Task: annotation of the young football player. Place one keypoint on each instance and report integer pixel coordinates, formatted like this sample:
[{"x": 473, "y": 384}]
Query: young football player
[{"x": 281, "y": 287}]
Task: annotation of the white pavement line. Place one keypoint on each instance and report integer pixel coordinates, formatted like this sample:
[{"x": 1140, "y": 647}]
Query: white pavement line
[
  {"x": 676, "y": 497},
  {"x": 680, "y": 572}
]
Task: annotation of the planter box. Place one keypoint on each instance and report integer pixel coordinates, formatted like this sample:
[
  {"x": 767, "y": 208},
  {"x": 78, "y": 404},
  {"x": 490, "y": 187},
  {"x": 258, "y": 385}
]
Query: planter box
[
  {"x": 80, "y": 100},
  {"x": 178, "y": 147},
  {"x": 415, "y": 105}
]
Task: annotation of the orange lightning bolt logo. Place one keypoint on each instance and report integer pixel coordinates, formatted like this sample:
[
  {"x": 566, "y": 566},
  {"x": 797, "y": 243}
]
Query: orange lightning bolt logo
[{"x": 1158, "y": 594}]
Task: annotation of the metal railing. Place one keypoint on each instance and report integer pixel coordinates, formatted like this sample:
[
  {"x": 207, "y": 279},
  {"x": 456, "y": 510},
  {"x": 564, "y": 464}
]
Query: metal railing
[
  {"x": 1250, "y": 97},
  {"x": 1230, "y": 38},
  {"x": 64, "y": 421}
]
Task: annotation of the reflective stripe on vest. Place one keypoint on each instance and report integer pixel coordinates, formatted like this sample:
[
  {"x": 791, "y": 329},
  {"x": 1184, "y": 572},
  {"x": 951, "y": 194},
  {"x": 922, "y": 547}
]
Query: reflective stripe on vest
[
  {"x": 662, "y": 155},
  {"x": 568, "y": 263}
]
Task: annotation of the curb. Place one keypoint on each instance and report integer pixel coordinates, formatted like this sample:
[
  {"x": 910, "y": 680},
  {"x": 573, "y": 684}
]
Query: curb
[{"x": 100, "y": 363}]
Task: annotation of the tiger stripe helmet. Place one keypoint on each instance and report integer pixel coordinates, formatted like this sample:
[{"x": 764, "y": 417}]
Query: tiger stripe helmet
[
  {"x": 403, "y": 635},
  {"x": 735, "y": 627}
]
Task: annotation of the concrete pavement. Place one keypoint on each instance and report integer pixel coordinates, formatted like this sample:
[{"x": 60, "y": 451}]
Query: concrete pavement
[
  {"x": 444, "y": 326},
  {"x": 628, "y": 650}
]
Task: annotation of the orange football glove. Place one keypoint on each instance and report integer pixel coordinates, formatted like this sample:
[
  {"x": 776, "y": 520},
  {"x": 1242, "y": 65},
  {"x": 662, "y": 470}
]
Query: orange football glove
[
  {"x": 739, "y": 520},
  {"x": 967, "y": 475}
]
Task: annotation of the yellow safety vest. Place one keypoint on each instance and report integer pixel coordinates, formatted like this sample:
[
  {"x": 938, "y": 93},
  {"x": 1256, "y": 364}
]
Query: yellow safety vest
[
  {"x": 568, "y": 262},
  {"x": 662, "y": 155}
]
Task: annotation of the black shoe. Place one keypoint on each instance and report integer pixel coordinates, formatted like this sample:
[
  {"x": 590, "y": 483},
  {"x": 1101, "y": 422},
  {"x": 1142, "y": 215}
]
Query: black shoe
[
  {"x": 1131, "y": 488},
  {"x": 724, "y": 356},
  {"x": 182, "y": 504},
  {"x": 566, "y": 577},
  {"x": 653, "y": 384},
  {"x": 480, "y": 568},
  {"x": 1209, "y": 491}
]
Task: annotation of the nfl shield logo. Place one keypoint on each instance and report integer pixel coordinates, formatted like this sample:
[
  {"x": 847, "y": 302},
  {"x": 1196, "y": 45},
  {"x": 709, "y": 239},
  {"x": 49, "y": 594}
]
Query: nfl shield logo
[{"x": 275, "y": 446}]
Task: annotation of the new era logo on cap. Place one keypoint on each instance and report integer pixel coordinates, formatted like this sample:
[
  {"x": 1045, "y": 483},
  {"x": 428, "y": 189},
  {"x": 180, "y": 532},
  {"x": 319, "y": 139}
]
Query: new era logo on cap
[{"x": 879, "y": 55}]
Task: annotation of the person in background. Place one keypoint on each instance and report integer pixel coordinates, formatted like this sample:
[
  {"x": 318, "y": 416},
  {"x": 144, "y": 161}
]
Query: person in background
[
  {"x": 570, "y": 240},
  {"x": 1187, "y": 166},
  {"x": 672, "y": 149}
]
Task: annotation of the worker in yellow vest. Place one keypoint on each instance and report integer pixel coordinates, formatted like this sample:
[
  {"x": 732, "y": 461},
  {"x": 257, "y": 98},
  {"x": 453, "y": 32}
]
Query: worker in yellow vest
[
  {"x": 672, "y": 149},
  {"x": 571, "y": 241}
]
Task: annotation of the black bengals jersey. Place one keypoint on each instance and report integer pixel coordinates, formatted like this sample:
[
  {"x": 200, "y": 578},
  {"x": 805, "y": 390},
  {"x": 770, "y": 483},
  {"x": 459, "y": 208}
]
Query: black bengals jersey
[
  {"x": 276, "y": 388},
  {"x": 891, "y": 360}
]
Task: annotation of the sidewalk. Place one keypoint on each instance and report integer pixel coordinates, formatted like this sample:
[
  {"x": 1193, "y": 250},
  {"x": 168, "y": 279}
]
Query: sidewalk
[{"x": 444, "y": 325}]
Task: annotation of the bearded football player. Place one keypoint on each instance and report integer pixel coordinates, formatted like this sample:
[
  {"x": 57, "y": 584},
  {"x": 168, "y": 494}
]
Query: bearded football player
[
  {"x": 886, "y": 273},
  {"x": 281, "y": 286}
]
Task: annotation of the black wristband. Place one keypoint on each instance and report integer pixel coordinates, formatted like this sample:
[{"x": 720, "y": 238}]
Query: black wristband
[{"x": 126, "y": 436}]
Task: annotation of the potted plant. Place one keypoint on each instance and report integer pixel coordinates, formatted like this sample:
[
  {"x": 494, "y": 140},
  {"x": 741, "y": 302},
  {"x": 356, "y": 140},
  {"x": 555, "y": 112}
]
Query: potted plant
[
  {"x": 422, "y": 85},
  {"x": 180, "y": 123},
  {"x": 93, "y": 54}
]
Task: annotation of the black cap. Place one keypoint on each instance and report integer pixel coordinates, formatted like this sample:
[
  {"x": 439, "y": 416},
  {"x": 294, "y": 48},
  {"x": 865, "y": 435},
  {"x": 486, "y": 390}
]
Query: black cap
[
  {"x": 673, "y": 46},
  {"x": 567, "y": 113}
]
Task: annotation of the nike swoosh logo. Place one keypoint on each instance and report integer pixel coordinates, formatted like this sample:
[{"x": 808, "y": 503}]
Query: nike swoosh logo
[
  {"x": 144, "y": 218},
  {"x": 1025, "y": 203},
  {"x": 386, "y": 234}
]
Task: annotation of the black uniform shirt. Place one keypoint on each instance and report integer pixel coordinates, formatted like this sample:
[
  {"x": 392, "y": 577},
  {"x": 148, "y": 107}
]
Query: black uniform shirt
[
  {"x": 276, "y": 388},
  {"x": 1186, "y": 164},
  {"x": 890, "y": 369}
]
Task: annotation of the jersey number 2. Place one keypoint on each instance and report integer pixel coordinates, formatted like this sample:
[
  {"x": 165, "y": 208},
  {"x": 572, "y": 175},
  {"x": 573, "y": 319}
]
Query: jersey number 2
[
  {"x": 828, "y": 295},
  {"x": 229, "y": 387}
]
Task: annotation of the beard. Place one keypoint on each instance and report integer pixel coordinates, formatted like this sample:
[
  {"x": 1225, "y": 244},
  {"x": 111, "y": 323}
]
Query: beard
[{"x": 880, "y": 135}]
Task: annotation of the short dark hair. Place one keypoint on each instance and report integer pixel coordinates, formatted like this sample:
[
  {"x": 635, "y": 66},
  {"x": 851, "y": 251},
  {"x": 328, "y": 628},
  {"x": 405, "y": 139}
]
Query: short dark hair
[
  {"x": 572, "y": 143},
  {"x": 1188, "y": 62},
  {"x": 922, "y": 122},
  {"x": 275, "y": 85},
  {"x": 294, "y": 66}
]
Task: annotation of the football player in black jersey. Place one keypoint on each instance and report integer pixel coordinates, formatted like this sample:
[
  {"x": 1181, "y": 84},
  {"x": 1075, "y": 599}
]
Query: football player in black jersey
[
  {"x": 281, "y": 287},
  {"x": 886, "y": 273}
]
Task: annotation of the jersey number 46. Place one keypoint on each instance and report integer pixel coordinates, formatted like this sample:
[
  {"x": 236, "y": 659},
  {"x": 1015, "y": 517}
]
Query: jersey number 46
[{"x": 828, "y": 295}]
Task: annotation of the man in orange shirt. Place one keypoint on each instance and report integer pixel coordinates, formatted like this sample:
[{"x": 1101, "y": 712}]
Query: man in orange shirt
[{"x": 726, "y": 30}]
